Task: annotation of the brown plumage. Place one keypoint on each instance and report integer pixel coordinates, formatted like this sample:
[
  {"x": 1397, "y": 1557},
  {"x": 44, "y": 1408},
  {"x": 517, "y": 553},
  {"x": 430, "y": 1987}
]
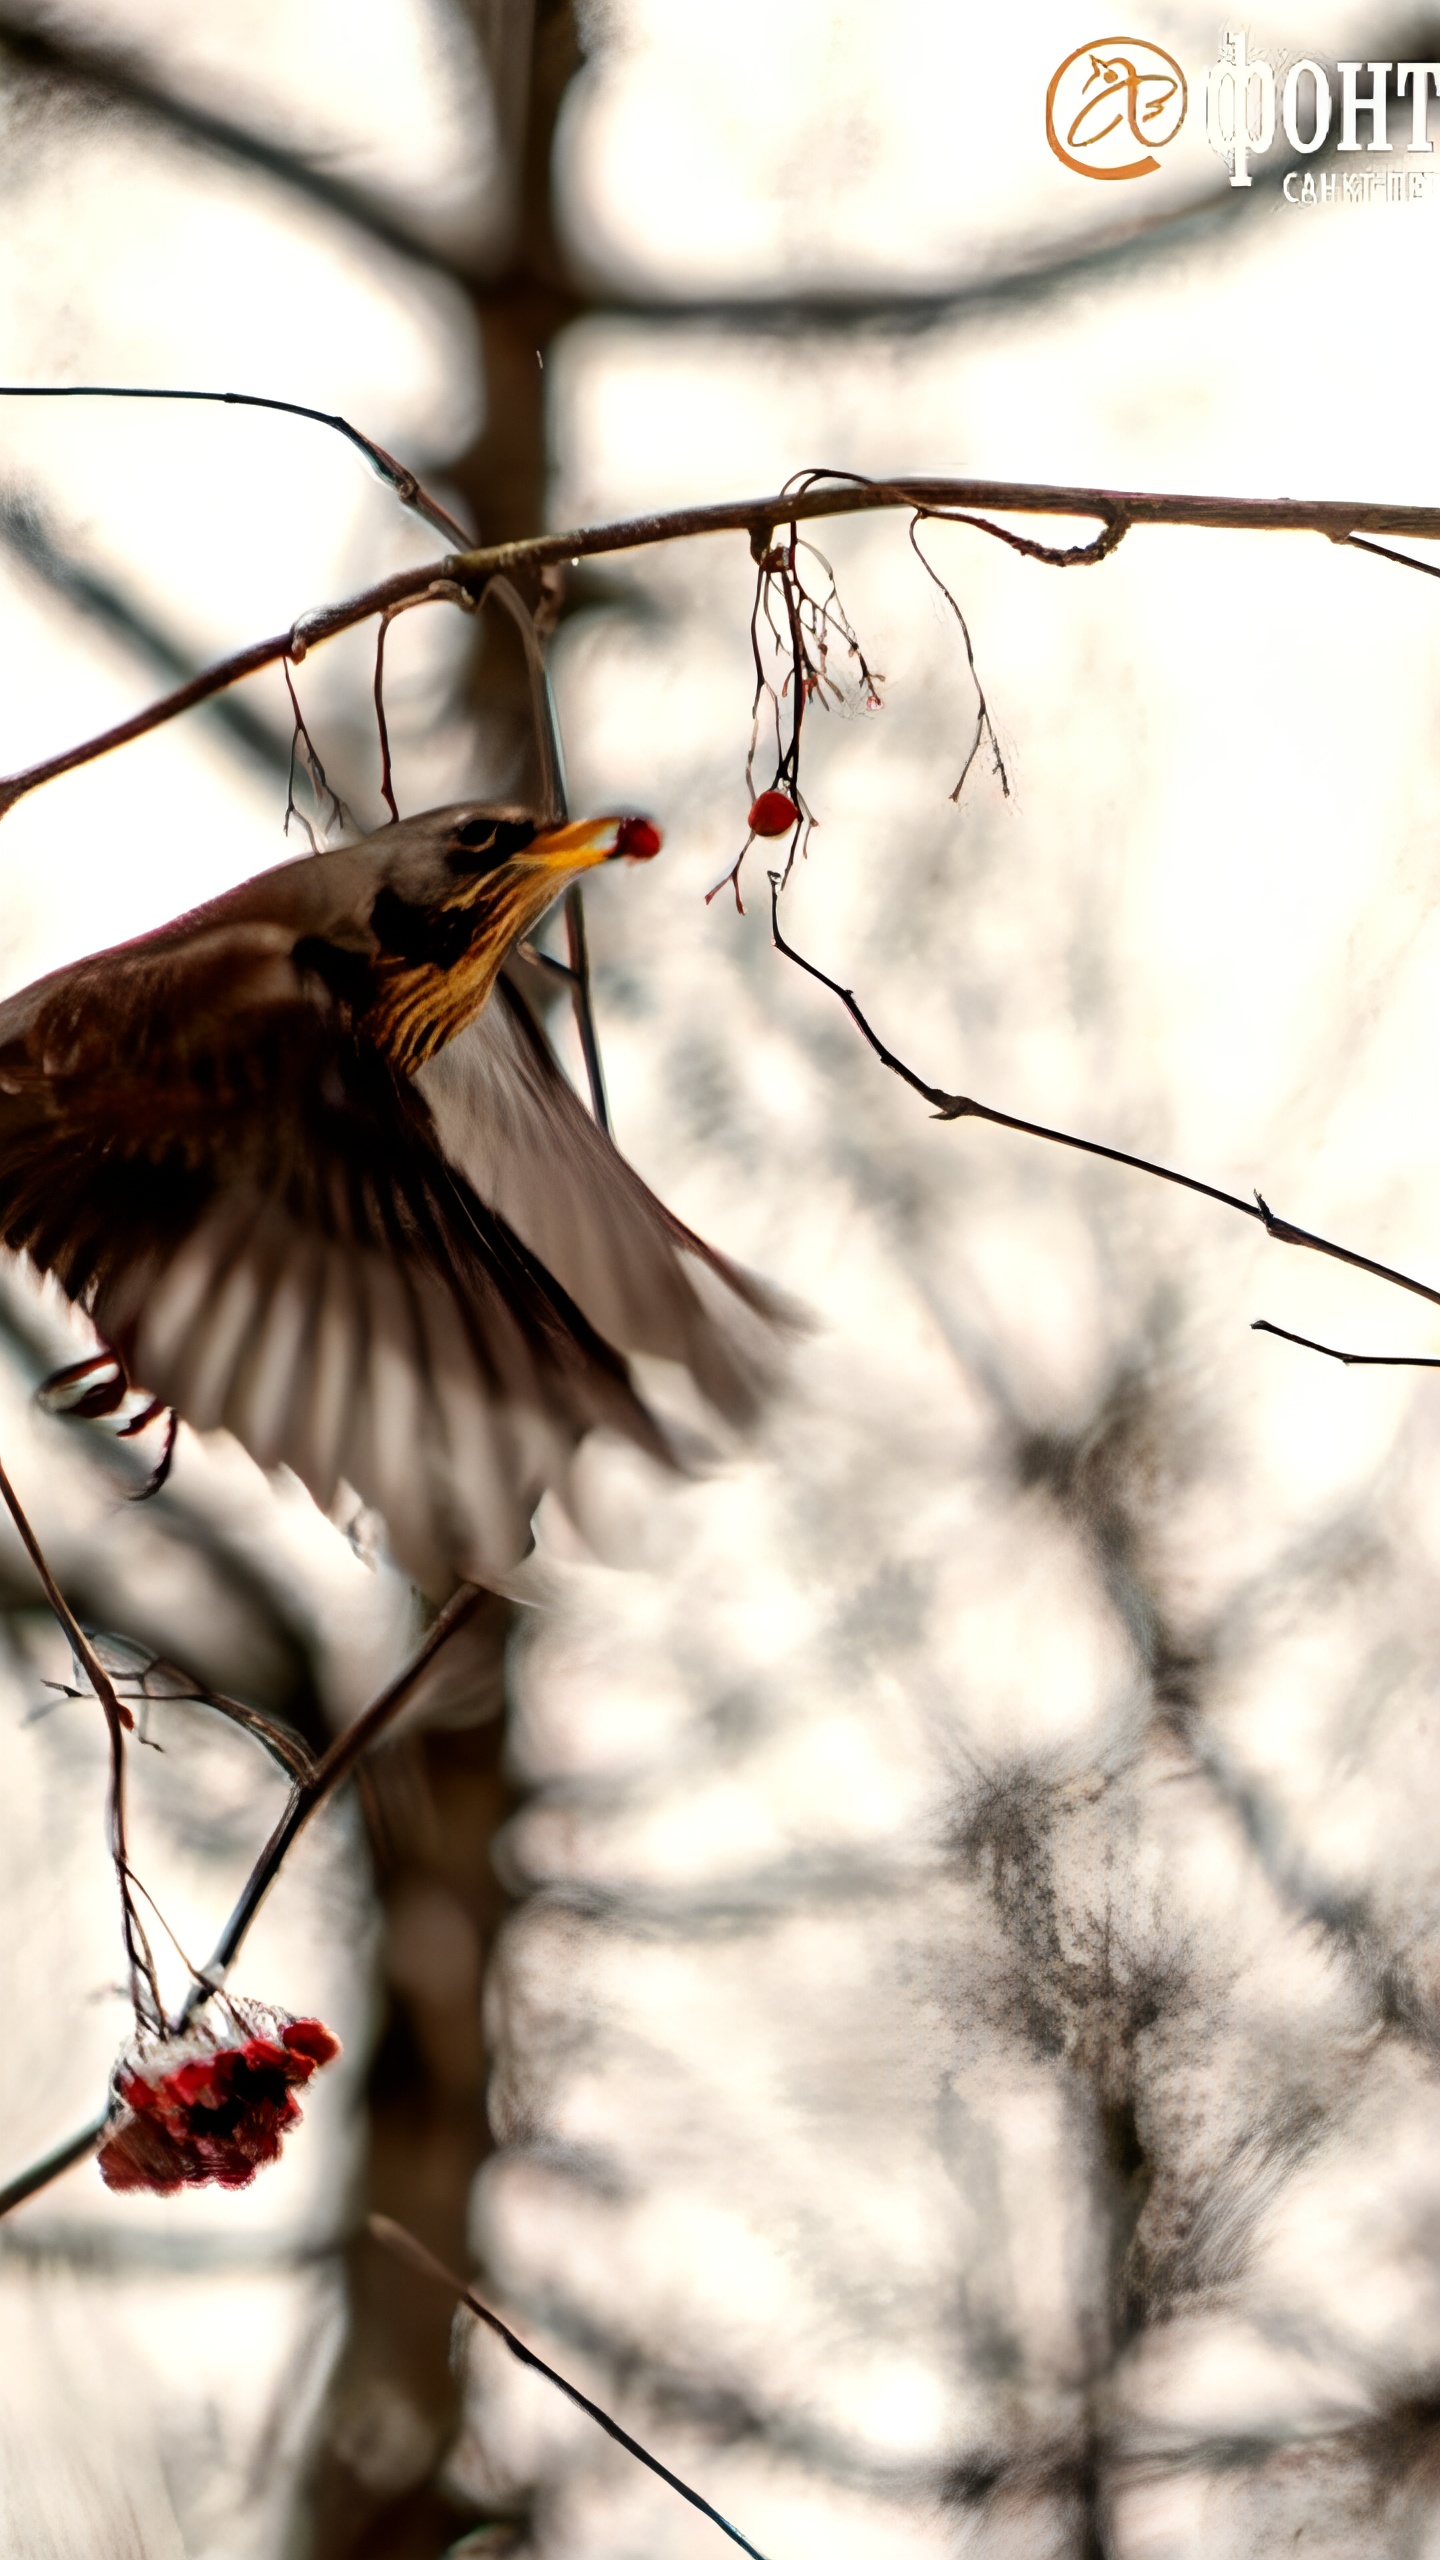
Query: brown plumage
[{"x": 307, "y": 1161}]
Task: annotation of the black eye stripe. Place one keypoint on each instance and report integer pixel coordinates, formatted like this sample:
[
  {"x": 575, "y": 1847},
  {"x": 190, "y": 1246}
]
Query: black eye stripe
[
  {"x": 482, "y": 844},
  {"x": 419, "y": 936}
]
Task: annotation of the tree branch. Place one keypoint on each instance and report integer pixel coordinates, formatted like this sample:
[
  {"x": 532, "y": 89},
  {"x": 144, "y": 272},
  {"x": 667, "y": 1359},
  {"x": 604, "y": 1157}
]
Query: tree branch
[
  {"x": 403, "y": 2245},
  {"x": 305, "y": 1797},
  {"x": 396, "y": 475},
  {"x": 1349, "y": 1359},
  {"x": 962, "y": 1106},
  {"x": 310, "y": 1793},
  {"x": 1116, "y": 510}
]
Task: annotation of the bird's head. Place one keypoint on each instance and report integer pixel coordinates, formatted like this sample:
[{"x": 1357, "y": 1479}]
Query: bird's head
[
  {"x": 458, "y": 889},
  {"x": 486, "y": 856},
  {"x": 479, "y": 842}
]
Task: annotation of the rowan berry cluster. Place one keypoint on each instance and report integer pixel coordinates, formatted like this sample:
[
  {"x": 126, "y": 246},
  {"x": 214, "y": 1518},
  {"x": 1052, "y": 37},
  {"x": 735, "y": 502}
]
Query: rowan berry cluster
[{"x": 212, "y": 2105}]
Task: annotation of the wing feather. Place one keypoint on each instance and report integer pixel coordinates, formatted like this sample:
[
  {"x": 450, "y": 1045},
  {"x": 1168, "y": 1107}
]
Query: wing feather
[
  {"x": 334, "y": 1349},
  {"x": 266, "y": 1230},
  {"x": 505, "y": 1116}
]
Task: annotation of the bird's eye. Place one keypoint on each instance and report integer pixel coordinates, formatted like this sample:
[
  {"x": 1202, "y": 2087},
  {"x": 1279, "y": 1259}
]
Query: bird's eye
[{"x": 482, "y": 844}]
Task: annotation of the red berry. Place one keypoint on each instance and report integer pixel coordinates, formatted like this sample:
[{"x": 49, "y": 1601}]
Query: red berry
[
  {"x": 308, "y": 2037},
  {"x": 773, "y": 814},
  {"x": 638, "y": 839}
]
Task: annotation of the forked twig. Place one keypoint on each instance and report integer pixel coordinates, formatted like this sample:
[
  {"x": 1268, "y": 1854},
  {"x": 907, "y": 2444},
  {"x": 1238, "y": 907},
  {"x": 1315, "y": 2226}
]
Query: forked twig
[
  {"x": 304, "y": 750},
  {"x": 403, "y": 2245},
  {"x": 179, "y": 1688},
  {"x": 984, "y": 725},
  {"x": 802, "y": 639}
]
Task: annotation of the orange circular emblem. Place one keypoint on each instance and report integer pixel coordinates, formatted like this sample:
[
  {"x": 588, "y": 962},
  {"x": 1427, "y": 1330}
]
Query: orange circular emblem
[{"x": 1112, "y": 105}]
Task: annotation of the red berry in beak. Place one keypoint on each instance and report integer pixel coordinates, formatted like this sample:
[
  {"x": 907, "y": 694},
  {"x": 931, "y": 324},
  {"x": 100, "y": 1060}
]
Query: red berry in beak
[
  {"x": 773, "y": 814},
  {"x": 637, "y": 839}
]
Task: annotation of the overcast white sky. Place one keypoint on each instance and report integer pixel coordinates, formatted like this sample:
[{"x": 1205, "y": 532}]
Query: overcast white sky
[{"x": 784, "y": 2137}]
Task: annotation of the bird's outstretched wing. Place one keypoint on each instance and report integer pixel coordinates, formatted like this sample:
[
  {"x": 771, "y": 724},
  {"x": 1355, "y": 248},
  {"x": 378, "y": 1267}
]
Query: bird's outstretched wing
[
  {"x": 505, "y": 1116},
  {"x": 253, "y": 1206}
]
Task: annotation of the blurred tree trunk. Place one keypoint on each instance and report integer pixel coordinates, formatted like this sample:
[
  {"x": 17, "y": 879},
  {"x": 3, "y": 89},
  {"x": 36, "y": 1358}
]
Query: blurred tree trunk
[{"x": 434, "y": 1804}]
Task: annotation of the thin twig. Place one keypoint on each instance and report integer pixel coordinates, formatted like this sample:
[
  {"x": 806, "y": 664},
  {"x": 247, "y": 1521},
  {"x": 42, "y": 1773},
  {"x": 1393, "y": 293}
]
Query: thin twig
[
  {"x": 439, "y": 592},
  {"x": 387, "y": 775},
  {"x": 1072, "y": 555},
  {"x": 580, "y": 997},
  {"x": 81, "y": 584},
  {"x": 43, "y": 2172},
  {"x": 1118, "y": 510},
  {"x": 1349, "y": 1359},
  {"x": 396, "y": 475},
  {"x": 983, "y": 722},
  {"x": 810, "y": 625},
  {"x": 1382, "y": 551},
  {"x": 118, "y": 1722},
  {"x": 961, "y": 1106},
  {"x": 554, "y": 809},
  {"x": 402, "y": 2244},
  {"x": 303, "y": 747},
  {"x": 288, "y": 1748},
  {"x": 310, "y": 1793}
]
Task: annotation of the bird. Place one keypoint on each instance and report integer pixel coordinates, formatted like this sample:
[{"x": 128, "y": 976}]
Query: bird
[{"x": 306, "y": 1159}]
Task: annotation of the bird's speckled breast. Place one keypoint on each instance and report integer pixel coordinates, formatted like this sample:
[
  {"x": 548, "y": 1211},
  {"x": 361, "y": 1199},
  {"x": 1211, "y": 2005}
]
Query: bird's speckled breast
[{"x": 437, "y": 965}]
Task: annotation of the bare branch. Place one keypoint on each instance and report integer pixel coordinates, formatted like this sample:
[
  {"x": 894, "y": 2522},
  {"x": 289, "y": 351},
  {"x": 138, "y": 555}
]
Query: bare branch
[
  {"x": 396, "y": 475},
  {"x": 961, "y": 1106},
  {"x": 326, "y": 1775},
  {"x": 1117, "y": 510},
  {"x": 43, "y": 2172},
  {"x": 403, "y": 2245},
  {"x": 1349, "y": 1359}
]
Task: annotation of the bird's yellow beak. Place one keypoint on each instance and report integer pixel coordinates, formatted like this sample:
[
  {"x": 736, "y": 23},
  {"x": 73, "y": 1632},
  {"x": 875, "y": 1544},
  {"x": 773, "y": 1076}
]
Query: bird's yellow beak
[{"x": 586, "y": 841}]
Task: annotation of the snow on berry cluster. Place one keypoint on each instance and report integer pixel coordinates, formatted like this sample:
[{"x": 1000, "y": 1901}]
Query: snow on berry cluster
[{"x": 213, "y": 2104}]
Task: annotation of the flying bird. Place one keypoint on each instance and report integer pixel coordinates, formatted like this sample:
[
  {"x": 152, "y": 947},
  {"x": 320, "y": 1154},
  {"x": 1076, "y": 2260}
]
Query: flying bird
[{"x": 306, "y": 1159}]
